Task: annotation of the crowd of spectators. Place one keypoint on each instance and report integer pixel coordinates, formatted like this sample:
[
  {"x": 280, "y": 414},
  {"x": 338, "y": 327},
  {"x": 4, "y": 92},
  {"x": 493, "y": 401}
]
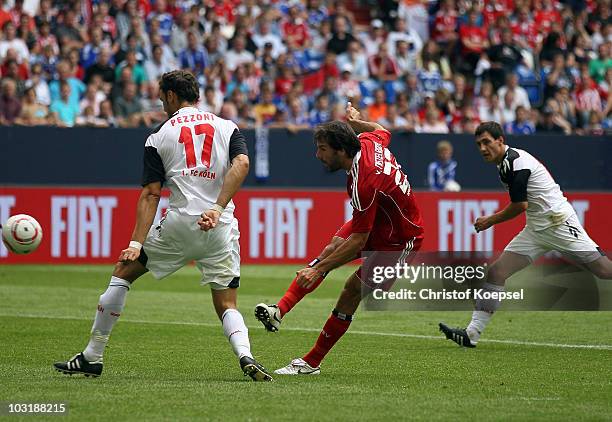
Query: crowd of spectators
[{"x": 414, "y": 65}]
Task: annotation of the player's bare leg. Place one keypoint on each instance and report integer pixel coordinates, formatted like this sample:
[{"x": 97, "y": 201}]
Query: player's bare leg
[
  {"x": 502, "y": 269},
  {"x": 270, "y": 315},
  {"x": 237, "y": 333},
  {"x": 601, "y": 268},
  {"x": 110, "y": 306}
]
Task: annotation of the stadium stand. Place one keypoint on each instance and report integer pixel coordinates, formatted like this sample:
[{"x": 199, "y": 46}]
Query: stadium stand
[{"x": 415, "y": 65}]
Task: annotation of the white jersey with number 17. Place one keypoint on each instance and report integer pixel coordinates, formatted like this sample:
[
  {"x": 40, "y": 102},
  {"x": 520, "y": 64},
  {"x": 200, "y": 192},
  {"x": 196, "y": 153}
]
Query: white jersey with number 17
[{"x": 191, "y": 152}]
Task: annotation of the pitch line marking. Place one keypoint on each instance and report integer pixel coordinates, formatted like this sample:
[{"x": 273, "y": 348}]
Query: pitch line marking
[{"x": 316, "y": 330}]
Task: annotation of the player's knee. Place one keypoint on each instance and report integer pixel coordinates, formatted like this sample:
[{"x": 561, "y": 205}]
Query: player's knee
[
  {"x": 125, "y": 272},
  {"x": 496, "y": 274},
  {"x": 604, "y": 272},
  {"x": 353, "y": 288}
]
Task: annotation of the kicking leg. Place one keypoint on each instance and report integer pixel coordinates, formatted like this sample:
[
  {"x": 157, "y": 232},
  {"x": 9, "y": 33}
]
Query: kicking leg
[
  {"x": 601, "y": 267},
  {"x": 335, "y": 327},
  {"x": 271, "y": 315},
  {"x": 237, "y": 333},
  {"x": 110, "y": 306},
  {"x": 506, "y": 265}
]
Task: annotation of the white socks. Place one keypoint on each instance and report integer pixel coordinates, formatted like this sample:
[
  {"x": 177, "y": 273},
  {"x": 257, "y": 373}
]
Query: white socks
[
  {"x": 109, "y": 308},
  {"x": 236, "y": 332},
  {"x": 483, "y": 312}
]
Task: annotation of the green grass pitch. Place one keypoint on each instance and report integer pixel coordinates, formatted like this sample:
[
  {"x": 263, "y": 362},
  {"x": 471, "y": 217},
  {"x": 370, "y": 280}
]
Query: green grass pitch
[{"x": 168, "y": 359}]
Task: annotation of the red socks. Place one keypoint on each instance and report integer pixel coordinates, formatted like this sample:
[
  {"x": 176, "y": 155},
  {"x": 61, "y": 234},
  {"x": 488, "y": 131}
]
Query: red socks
[
  {"x": 295, "y": 293},
  {"x": 334, "y": 328}
]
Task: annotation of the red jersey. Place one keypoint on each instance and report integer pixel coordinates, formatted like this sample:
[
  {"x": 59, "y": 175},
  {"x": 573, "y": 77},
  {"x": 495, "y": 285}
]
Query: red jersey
[
  {"x": 381, "y": 196},
  {"x": 544, "y": 19},
  {"x": 476, "y": 34},
  {"x": 527, "y": 32},
  {"x": 444, "y": 24},
  {"x": 298, "y": 31}
]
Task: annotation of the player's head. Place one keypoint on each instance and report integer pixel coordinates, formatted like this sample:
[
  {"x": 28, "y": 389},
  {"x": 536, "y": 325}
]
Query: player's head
[
  {"x": 490, "y": 140},
  {"x": 337, "y": 144},
  {"x": 177, "y": 89}
]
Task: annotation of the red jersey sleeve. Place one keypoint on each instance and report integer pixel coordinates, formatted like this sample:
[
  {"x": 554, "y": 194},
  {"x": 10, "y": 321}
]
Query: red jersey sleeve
[
  {"x": 363, "y": 191},
  {"x": 363, "y": 221},
  {"x": 382, "y": 137}
]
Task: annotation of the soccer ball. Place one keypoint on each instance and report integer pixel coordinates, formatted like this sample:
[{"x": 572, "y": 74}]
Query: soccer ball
[{"x": 21, "y": 234}]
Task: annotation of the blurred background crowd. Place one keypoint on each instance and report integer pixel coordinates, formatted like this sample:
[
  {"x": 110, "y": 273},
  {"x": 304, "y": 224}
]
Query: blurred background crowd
[{"x": 414, "y": 65}]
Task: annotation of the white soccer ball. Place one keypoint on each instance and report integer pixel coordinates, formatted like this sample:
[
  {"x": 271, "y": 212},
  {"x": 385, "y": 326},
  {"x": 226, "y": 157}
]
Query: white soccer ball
[
  {"x": 452, "y": 186},
  {"x": 21, "y": 234}
]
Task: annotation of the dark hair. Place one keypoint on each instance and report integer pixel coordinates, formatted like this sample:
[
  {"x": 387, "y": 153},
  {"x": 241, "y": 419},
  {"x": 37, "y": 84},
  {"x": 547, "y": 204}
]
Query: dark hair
[
  {"x": 339, "y": 136},
  {"x": 492, "y": 128},
  {"x": 182, "y": 83}
]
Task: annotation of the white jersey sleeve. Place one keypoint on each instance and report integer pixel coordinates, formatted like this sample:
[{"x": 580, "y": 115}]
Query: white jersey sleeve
[
  {"x": 527, "y": 179},
  {"x": 193, "y": 147}
]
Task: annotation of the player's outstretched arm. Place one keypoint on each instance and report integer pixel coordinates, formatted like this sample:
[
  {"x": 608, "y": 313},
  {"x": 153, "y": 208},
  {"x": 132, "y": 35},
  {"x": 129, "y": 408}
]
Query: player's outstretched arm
[
  {"x": 353, "y": 118},
  {"x": 232, "y": 182},
  {"x": 145, "y": 213},
  {"x": 347, "y": 251},
  {"x": 512, "y": 210}
]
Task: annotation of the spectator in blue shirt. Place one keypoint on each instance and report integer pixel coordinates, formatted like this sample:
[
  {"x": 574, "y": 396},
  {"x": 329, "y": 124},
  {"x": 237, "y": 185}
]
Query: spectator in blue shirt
[
  {"x": 522, "y": 125},
  {"x": 320, "y": 113},
  {"x": 441, "y": 173},
  {"x": 77, "y": 88},
  {"x": 62, "y": 109},
  {"x": 161, "y": 19},
  {"x": 194, "y": 57}
]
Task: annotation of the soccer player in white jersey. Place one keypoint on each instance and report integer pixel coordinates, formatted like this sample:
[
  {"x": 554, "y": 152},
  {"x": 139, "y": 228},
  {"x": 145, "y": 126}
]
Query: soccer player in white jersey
[
  {"x": 203, "y": 160},
  {"x": 552, "y": 224}
]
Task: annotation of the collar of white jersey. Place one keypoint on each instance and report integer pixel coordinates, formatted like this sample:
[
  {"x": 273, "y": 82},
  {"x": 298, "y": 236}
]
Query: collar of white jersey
[
  {"x": 183, "y": 109},
  {"x": 506, "y": 148}
]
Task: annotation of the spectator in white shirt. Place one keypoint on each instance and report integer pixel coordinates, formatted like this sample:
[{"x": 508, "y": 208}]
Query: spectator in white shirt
[
  {"x": 156, "y": 66},
  {"x": 507, "y": 108},
  {"x": 264, "y": 36},
  {"x": 520, "y": 94},
  {"x": 415, "y": 43},
  {"x": 238, "y": 55},
  {"x": 356, "y": 59},
  {"x": 433, "y": 123},
  {"x": 373, "y": 37},
  {"x": 11, "y": 42}
]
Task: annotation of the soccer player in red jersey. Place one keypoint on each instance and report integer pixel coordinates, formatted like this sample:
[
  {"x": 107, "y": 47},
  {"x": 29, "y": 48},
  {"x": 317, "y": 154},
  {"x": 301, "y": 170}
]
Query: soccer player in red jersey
[{"x": 385, "y": 218}]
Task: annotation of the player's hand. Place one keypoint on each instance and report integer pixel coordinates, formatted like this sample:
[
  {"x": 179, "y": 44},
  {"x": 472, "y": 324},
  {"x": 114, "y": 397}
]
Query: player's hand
[
  {"x": 351, "y": 112},
  {"x": 129, "y": 255},
  {"x": 307, "y": 277},
  {"x": 482, "y": 223},
  {"x": 209, "y": 220}
]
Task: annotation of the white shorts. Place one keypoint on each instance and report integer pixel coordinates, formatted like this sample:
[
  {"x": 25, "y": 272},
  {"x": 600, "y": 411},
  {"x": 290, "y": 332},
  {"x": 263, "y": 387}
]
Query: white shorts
[
  {"x": 569, "y": 238},
  {"x": 177, "y": 240}
]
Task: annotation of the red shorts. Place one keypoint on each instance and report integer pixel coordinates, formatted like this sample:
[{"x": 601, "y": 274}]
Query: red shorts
[
  {"x": 383, "y": 251},
  {"x": 379, "y": 239}
]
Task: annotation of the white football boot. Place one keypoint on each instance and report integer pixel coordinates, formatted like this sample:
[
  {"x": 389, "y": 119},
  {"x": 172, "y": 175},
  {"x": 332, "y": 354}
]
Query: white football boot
[
  {"x": 298, "y": 367},
  {"x": 269, "y": 316}
]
